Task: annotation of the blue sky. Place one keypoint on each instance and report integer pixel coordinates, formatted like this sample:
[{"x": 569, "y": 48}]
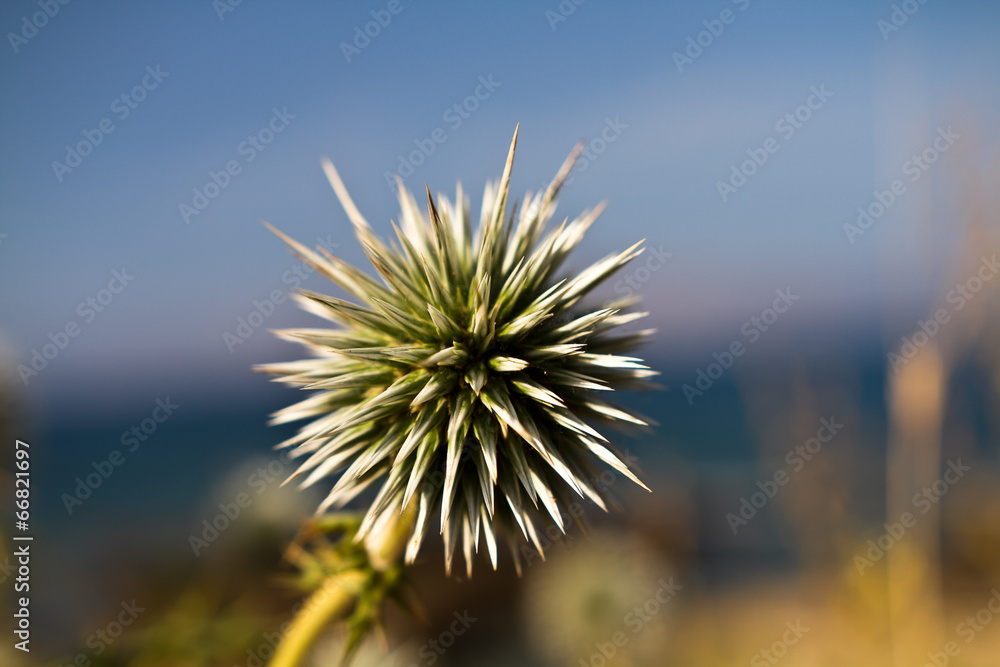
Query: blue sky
[{"x": 679, "y": 133}]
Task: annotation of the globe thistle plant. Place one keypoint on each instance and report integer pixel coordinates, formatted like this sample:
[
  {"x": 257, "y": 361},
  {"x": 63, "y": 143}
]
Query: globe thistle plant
[{"x": 470, "y": 382}]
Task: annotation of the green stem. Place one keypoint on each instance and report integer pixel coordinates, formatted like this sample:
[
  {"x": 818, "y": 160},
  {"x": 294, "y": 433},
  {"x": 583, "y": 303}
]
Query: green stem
[
  {"x": 335, "y": 597},
  {"x": 332, "y": 599}
]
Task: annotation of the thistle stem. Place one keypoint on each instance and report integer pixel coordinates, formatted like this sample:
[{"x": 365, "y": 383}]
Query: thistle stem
[
  {"x": 339, "y": 592},
  {"x": 330, "y": 600}
]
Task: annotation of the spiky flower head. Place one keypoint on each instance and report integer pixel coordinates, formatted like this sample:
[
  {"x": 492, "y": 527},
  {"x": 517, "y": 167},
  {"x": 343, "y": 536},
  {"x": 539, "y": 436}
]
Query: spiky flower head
[{"x": 472, "y": 370}]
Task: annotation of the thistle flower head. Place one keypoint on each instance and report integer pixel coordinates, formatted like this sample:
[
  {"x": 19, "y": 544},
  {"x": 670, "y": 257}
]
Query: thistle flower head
[{"x": 471, "y": 379}]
